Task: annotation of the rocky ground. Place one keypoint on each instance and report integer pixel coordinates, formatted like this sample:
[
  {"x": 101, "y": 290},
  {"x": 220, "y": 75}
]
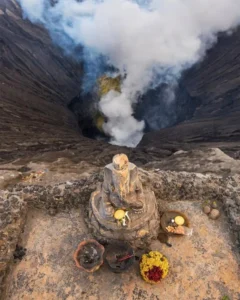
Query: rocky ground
[
  {"x": 48, "y": 199},
  {"x": 209, "y": 269}
]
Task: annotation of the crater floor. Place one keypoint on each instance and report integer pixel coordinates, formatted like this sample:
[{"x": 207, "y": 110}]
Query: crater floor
[{"x": 203, "y": 266}]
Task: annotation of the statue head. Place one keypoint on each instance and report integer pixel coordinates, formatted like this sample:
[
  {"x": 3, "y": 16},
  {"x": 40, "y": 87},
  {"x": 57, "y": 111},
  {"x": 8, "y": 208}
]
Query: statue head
[{"x": 120, "y": 162}]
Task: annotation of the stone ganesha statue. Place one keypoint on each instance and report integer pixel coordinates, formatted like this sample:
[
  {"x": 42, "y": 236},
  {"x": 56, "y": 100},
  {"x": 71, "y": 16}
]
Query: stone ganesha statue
[
  {"x": 121, "y": 209},
  {"x": 121, "y": 188}
]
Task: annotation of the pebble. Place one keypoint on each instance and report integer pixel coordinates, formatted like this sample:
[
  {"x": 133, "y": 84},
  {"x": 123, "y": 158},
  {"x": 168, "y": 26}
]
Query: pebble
[
  {"x": 206, "y": 209},
  {"x": 214, "y": 204},
  {"x": 214, "y": 214},
  {"x": 52, "y": 211}
]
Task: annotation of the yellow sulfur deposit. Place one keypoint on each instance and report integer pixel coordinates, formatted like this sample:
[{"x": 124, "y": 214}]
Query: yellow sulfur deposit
[
  {"x": 99, "y": 120},
  {"x": 106, "y": 84}
]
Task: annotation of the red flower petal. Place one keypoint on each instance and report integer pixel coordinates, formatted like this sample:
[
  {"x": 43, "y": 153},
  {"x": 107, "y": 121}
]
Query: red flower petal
[{"x": 155, "y": 274}]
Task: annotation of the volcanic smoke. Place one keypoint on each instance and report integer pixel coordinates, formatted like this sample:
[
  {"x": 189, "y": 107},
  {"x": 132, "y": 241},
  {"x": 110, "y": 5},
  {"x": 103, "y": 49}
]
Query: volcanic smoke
[{"x": 147, "y": 42}]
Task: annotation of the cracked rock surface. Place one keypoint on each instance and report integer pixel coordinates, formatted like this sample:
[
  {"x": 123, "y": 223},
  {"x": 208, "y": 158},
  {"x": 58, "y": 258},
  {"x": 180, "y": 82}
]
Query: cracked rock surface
[{"x": 12, "y": 218}]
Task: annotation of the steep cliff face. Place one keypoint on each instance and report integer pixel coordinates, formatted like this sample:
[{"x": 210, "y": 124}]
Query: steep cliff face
[
  {"x": 216, "y": 84},
  {"x": 36, "y": 83}
]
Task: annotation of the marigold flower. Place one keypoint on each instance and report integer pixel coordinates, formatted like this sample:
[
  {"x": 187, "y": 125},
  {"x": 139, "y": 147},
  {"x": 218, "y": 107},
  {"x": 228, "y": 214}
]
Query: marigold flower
[{"x": 153, "y": 266}]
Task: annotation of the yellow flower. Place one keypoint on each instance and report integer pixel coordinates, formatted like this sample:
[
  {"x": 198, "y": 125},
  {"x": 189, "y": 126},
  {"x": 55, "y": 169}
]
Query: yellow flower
[{"x": 154, "y": 266}]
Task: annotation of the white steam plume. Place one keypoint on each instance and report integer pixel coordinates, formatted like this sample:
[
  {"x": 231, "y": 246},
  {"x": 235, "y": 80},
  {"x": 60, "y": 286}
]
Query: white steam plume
[{"x": 142, "y": 39}]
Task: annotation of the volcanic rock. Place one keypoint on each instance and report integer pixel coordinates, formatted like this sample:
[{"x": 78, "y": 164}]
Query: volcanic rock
[
  {"x": 214, "y": 82},
  {"x": 38, "y": 83}
]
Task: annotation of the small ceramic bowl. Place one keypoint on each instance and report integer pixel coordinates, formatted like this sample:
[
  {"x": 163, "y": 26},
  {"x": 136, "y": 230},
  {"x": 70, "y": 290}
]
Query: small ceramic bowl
[
  {"x": 171, "y": 214},
  {"x": 89, "y": 256}
]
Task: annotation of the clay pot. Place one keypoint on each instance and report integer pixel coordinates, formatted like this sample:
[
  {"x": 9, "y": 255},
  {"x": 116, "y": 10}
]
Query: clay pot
[
  {"x": 89, "y": 256},
  {"x": 171, "y": 214}
]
